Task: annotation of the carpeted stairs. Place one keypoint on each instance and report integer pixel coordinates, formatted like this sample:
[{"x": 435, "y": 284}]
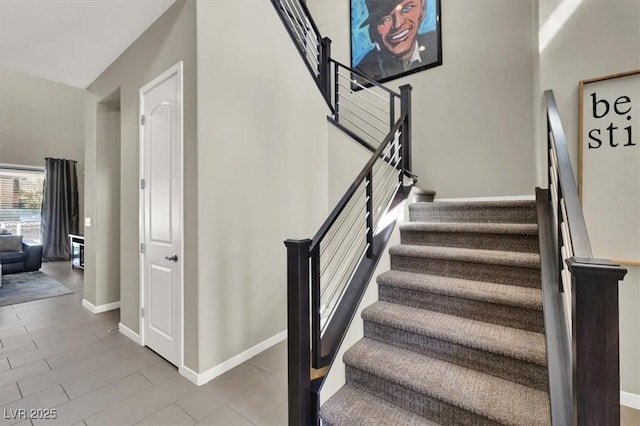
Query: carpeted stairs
[{"x": 456, "y": 337}]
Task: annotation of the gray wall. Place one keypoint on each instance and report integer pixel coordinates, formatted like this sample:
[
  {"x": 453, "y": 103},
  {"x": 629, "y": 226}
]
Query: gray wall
[
  {"x": 38, "y": 119},
  {"x": 346, "y": 160},
  {"x": 262, "y": 172},
  {"x": 172, "y": 38},
  {"x": 107, "y": 219},
  {"x": 599, "y": 39},
  {"x": 472, "y": 115}
]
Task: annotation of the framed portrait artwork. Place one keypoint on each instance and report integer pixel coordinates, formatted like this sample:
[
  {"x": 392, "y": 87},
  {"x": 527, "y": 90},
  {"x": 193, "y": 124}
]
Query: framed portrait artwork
[{"x": 394, "y": 38}]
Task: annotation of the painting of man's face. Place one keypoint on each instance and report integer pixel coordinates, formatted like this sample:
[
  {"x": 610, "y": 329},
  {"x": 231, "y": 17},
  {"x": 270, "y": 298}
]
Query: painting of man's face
[
  {"x": 394, "y": 38},
  {"x": 399, "y": 29}
]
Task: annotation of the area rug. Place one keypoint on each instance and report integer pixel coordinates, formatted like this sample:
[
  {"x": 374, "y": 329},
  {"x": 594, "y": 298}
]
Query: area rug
[{"x": 28, "y": 286}]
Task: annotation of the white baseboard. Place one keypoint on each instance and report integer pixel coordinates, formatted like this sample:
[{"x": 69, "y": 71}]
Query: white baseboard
[
  {"x": 497, "y": 198},
  {"x": 212, "y": 373},
  {"x": 631, "y": 400},
  {"x": 100, "y": 308},
  {"x": 127, "y": 332}
]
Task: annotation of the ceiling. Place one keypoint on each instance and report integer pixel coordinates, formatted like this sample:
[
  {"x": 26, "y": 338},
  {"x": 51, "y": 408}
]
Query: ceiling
[{"x": 71, "y": 41}]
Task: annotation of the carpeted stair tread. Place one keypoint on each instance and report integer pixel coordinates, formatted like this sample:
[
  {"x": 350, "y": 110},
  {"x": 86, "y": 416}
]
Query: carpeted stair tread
[
  {"x": 468, "y": 227},
  {"x": 516, "y": 237},
  {"x": 351, "y": 406},
  {"x": 492, "y": 257},
  {"x": 502, "y": 294},
  {"x": 509, "y": 211},
  {"x": 495, "y": 399},
  {"x": 507, "y": 341}
]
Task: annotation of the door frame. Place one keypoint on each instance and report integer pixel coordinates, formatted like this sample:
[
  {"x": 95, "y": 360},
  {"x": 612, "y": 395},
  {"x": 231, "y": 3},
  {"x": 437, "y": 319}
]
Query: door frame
[{"x": 176, "y": 69}]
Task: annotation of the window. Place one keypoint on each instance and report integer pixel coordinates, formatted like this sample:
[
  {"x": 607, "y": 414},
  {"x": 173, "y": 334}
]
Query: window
[{"x": 21, "y": 200}]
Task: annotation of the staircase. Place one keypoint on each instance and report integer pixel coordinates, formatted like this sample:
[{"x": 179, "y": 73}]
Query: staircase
[{"x": 457, "y": 336}]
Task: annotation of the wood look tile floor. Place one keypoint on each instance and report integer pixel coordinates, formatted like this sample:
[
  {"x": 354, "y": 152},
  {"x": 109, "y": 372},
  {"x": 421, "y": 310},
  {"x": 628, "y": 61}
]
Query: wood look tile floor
[{"x": 54, "y": 354}]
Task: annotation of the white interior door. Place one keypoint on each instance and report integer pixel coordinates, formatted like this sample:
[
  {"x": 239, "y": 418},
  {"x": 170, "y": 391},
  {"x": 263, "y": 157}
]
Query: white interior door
[{"x": 161, "y": 196}]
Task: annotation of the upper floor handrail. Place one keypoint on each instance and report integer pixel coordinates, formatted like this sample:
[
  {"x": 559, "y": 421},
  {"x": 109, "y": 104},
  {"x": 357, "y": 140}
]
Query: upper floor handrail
[
  {"x": 363, "y": 108},
  {"x": 314, "y": 50},
  {"x": 307, "y": 13}
]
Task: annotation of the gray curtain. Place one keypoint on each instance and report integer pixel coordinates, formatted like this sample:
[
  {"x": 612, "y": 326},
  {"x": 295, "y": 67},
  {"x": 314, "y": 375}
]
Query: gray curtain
[{"x": 59, "y": 208}]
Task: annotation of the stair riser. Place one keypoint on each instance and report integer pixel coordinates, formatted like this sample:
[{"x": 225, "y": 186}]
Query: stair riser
[
  {"x": 509, "y": 316},
  {"x": 513, "y": 275},
  {"x": 424, "y": 405},
  {"x": 434, "y": 212},
  {"x": 518, "y": 371},
  {"x": 517, "y": 243}
]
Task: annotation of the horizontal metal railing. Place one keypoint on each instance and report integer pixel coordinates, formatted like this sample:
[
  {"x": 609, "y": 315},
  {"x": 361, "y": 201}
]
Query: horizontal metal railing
[
  {"x": 346, "y": 236},
  {"x": 326, "y": 276},
  {"x": 305, "y": 34},
  {"x": 362, "y": 106}
]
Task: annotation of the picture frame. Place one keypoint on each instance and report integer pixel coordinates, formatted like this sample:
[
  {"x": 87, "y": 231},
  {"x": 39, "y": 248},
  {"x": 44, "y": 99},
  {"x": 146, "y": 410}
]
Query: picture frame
[
  {"x": 406, "y": 39},
  {"x": 609, "y": 164}
]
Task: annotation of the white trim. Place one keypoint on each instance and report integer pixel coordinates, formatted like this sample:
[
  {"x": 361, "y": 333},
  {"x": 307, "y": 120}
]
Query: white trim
[
  {"x": 213, "y": 372},
  {"x": 499, "y": 198},
  {"x": 127, "y": 332},
  {"x": 140, "y": 217},
  {"x": 100, "y": 308},
  {"x": 631, "y": 400},
  {"x": 190, "y": 375}
]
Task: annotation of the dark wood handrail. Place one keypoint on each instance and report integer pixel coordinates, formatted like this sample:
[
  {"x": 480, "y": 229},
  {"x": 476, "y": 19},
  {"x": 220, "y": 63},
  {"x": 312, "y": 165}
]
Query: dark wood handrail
[
  {"x": 335, "y": 213},
  {"x": 557, "y": 332},
  {"x": 577, "y": 226}
]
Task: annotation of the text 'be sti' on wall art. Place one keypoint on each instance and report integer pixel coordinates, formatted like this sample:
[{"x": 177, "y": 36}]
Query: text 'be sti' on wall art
[{"x": 609, "y": 165}]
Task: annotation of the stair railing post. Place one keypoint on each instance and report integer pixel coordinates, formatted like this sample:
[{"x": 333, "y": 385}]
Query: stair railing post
[
  {"x": 405, "y": 108},
  {"x": 325, "y": 67},
  {"x": 298, "y": 335},
  {"x": 595, "y": 344}
]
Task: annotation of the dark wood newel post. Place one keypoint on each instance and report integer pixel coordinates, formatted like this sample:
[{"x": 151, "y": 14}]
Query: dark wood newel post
[
  {"x": 595, "y": 345},
  {"x": 298, "y": 343},
  {"x": 405, "y": 108},
  {"x": 325, "y": 67}
]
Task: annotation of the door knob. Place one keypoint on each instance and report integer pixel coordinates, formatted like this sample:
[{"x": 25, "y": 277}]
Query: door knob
[{"x": 173, "y": 258}]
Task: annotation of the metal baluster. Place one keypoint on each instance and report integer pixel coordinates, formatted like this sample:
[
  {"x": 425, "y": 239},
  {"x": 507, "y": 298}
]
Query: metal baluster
[{"x": 369, "y": 214}]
